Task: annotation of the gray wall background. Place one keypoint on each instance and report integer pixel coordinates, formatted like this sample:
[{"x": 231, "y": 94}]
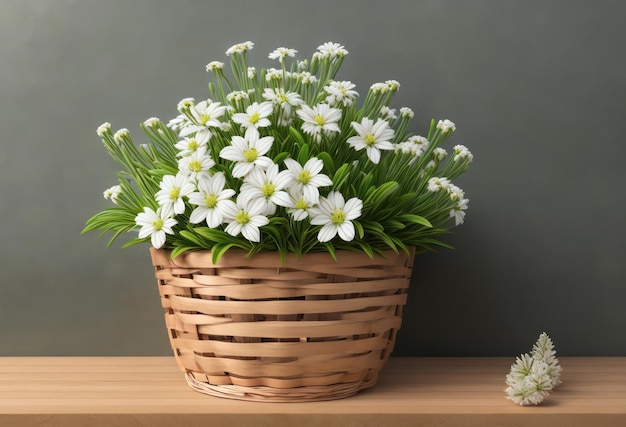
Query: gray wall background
[{"x": 536, "y": 89}]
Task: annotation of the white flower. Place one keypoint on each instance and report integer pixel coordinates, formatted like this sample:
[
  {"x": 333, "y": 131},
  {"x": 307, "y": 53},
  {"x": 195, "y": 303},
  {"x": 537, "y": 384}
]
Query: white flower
[
  {"x": 281, "y": 53},
  {"x": 256, "y": 115},
  {"x": 446, "y": 126},
  {"x": 170, "y": 196},
  {"x": 298, "y": 205},
  {"x": 121, "y": 134},
  {"x": 214, "y": 65},
  {"x": 245, "y": 217},
  {"x": 237, "y": 96},
  {"x": 392, "y": 84},
  {"x": 211, "y": 200},
  {"x": 340, "y": 93},
  {"x": 178, "y": 123},
  {"x": 543, "y": 350},
  {"x": 331, "y": 50},
  {"x": 378, "y": 88},
  {"x": 103, "y": 128},
  {"x": 439, "y": 154},
  {"x": 406, "y": 112},
  {"x": 462, "y": 153},
  {"x": 320, "y": 118},
  {"x": 189, "y": 146},
  {"x": 387, "y": 113},
  {"x": 455, "y": 192},
  {"x": 196, "y": 165},
  {"x": 335, "y": 216},
  {"x": 185, "y": 104},
  {"x": 112, "y": 193},
  {"x": 306, "y": 180},
  {"x": 307, "y": 78},
  {"x": 420, "y": 141},
  {"x": 285, "y": 100},
  {"x": 151, "y": 122},
  {"x": 528, "y": 382},
  {"x": 268, "y": 186},
  {"x": 435, "y": 184},
  {"x": 249, "y": 152},
  {"x": 251, "y": 72},
  {"x": 458, "y": 212},
  {"x": 205, "y": 115},
  {"x": 373, "y": 137},
  {"x": 240, "y": 48},
  {"x": 154, "y": 224}
]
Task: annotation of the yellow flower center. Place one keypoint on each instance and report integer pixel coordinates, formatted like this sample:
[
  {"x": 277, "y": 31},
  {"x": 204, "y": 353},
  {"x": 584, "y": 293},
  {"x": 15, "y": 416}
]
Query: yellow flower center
[
  {"x": 242, "y": 217},
  {"x": 304, "y": 177},
  {"x": 250, "y": 154},
  {"x": 268, "y": 189},
  {"x": 157, "y": 224},
  {"x": 254, "y": 118},
  {"x": 338, "y": 217},
  {"x": 193, "y": 145},
  {"x": 302, "y": 204},
  {"x": 210, "y": 201},
  {"x": 369, "y": 139},
  {"x": 175, "y": 193},
  {"x": 204, "y": 118},
  {"x": 195, "y": 166},
  {"x": 319, "y": 119}
]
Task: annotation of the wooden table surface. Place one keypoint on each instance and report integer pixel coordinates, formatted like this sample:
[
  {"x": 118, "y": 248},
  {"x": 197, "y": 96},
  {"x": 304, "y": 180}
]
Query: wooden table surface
[{"x": 151, "y": 391}]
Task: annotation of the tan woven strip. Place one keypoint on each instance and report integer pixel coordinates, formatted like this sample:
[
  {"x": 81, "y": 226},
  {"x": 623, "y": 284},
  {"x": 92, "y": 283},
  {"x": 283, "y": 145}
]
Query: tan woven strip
[
  {"x": 283, "y": 307},
  {"x": 312, "y": 366},
  {"x": 281, "y": 349}
]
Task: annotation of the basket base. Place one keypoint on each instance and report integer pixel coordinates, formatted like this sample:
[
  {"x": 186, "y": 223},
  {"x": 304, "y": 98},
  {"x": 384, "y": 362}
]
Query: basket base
[{"x": 278, "y": 395}]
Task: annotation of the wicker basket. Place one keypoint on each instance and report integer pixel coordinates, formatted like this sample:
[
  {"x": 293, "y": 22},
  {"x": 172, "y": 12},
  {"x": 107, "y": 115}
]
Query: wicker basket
[{"x": 306, "y": 330}]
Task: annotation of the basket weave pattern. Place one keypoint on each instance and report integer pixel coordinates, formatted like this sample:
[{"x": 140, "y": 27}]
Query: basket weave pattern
[{"x": 306, "y": 330}]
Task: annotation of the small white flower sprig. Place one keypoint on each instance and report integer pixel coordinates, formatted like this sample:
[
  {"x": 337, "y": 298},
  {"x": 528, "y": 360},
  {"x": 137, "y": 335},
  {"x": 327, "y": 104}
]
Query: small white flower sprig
[
  {"x": 283, "y": 159},
  {"x": 534, "y": 375}
]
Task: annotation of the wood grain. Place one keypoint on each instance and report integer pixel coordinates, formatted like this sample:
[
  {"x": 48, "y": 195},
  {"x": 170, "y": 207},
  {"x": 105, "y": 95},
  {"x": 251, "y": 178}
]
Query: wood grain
[{"x": 151, "y": 391}]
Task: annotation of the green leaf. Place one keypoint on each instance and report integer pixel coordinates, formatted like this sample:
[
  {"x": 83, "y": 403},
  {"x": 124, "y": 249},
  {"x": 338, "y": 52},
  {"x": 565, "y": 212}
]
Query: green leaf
[
  {"x": 213, "y": 235},
  {"x": 280, "y": 157},
  {"x": 331, "y": 250},
  {"x": 132, "y": 242},
  {"x": 218, "y": 250},
  {"x": 329, "y": 164},
  {"x": 340, "y": 176},
  {"x": 359, "y": 228},
  {"x": 303, "y": 154},
  {"x": 180, "y": 249},
  {"x": 416, "y": 219},
  {"x": 366, "y": 248},
  {"x": 296, "y": 135}
]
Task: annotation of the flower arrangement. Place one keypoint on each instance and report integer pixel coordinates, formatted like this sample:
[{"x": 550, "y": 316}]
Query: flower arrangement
[
  {"x": 283, "y": 159},
  {"x": 534, "y": 375}
]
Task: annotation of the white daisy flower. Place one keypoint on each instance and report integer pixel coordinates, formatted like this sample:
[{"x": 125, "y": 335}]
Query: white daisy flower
[
  {"x": 378, "y": 88},
  {"x": 420, "y": 141},
  {"x": 211, "y": 201},
  {"x": 155, "y": 224},
  {"x": 251, "y": 72},
  {"x": 185, "y": 104},
  {"x": 205, "y": 115},
  {"x": 190, "y": 145},
  {"x": 458, "y": 212},
  {"x": 196, "y": 166},
  {"x": 240, "y": 48},
  {"x": 331, "y": 50},
  {"x": 461, "y": 152},
  {"x": 335, "y": 216},
  {"x": 306, "y": 179},
  {"x": 340, "y": 93},
  {"x": 298, "y": 205},
  {"x": 178, "y": 123},
  {"x": 249, "y": 152},
  {"x": 170, "y": 196},
  {"x": 214, "y": 65},
  {"x": 268, "y": 186},
  {"x": 436, "y": 183},
  {"x": 245, "y": 217},
  {"x": 446, "y": 126},
  {"x": 373, "y": 137},
  {"x": 256, "y": 115},
  {"x": 439, "y": 154},
  {"x": 307, "y": 78},
  {"x": 273, "y": 74},
  {"x": 285, "y": 100},
  {"x": 393, "y": 84},
  {"x": 321, "y": 118},
  {"x": 103, "y": 128},
  {"x": 121, "y": 134},
  {"x": 112, "y": 193},
  {"x": 406, "y": 112},
  {"x": 281, "y": 53},
  {"x": 387, "y": 113}
]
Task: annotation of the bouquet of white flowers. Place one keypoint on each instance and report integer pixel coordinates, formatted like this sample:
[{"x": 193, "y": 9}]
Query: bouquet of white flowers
[{"x": 284, "y": 159}]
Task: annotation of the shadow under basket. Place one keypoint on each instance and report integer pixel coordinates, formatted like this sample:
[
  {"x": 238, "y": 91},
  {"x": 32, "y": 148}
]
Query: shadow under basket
[{"x": 258, "y": 329}]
